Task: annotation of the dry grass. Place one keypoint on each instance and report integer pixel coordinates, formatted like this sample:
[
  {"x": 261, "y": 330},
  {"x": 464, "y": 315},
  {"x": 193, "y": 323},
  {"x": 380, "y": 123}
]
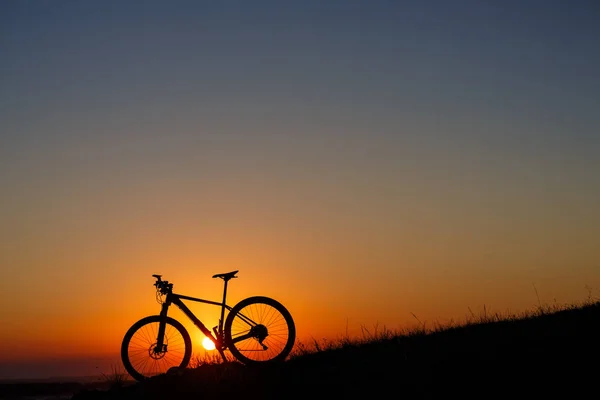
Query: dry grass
[
  {"x": 485, "y": 316},
  {"x": 487, "y": 352},
  {"x": 116, "y": 378},
  {"x": 208, "y": 358}
]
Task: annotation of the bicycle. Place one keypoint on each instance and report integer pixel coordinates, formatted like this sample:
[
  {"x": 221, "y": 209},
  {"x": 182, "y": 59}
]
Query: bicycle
[{"x": 257, "y": 330}]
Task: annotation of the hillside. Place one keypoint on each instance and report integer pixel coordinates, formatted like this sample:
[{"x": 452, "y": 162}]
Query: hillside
[{"x": 540, "y": 355}]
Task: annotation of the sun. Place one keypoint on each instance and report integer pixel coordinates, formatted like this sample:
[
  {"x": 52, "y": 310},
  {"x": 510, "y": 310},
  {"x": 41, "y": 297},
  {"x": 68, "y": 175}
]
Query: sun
[{"x": 208, "y": 344}]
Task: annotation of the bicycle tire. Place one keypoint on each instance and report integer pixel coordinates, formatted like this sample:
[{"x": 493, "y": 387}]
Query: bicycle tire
[
  {"x": 152, "y": 364},
  {"x": 267, "y": 313}
]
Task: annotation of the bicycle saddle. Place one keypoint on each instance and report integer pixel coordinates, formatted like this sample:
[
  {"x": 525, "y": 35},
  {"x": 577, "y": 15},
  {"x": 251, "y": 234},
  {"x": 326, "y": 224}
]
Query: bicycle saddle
[{"x": 227, "y": 276}]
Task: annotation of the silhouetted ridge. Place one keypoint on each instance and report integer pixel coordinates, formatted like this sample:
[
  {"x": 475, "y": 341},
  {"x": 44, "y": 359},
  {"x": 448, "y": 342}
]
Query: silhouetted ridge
[{"x": 531, "y": 357}]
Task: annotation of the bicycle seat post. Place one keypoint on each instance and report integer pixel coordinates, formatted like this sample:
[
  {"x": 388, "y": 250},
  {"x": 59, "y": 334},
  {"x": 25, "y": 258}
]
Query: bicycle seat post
[
  {"x": 223, "y": 305},
  {"x": 226, "y": 277}
]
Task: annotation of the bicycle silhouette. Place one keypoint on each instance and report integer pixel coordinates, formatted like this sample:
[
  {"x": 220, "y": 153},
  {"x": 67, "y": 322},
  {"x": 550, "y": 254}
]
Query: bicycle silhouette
[{"x": 257, "y": 330}]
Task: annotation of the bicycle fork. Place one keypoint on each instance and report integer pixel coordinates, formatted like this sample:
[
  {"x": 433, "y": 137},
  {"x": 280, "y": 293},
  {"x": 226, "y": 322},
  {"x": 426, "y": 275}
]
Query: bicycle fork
[{"x": 161, "y": 347}]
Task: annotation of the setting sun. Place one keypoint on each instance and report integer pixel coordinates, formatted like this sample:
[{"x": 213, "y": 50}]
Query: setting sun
[{"x": 208, "y": 344}]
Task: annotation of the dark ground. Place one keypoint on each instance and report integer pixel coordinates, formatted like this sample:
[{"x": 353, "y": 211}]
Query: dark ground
[{"x": 548, "y": 356}]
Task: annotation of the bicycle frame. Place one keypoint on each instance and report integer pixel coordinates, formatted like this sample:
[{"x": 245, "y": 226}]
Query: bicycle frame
[{"x": 218, "y": 338}]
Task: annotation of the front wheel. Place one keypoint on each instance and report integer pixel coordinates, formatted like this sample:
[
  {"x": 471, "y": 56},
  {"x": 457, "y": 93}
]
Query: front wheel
[
  {"x": 140, "y": 354},
  {"x": 259, "y": 329}
]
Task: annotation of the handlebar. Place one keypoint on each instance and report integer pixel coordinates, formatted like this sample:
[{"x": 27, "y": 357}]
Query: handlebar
[{"x": 164, "y": 287}]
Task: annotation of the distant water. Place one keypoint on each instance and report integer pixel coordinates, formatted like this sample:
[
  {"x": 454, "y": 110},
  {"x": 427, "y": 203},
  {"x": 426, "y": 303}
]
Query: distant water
[
  {"x": 43, "y": 397},
  {"x": 48, "y": 389},
  {"x": 58, "y": 369}
]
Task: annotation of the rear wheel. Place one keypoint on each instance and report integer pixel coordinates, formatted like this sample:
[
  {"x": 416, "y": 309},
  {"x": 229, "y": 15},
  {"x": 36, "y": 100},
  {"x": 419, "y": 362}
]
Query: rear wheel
[
  {"x": 140, "y": 355},
  {"x": 259, "y": 329}
]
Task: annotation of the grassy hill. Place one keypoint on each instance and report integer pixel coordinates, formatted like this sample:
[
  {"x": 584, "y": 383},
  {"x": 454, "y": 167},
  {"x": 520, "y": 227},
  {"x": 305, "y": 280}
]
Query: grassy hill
[{"x": 546, "y": 353}]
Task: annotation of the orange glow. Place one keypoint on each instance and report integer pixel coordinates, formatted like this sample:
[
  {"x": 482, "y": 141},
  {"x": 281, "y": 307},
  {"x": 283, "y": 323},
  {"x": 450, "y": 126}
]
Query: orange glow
[
  {"x": 364, "y": 183},
  {"x": 208, "y": 344}
]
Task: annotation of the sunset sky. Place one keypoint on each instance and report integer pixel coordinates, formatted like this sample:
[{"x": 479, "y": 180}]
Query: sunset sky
[{"x": 359, "y": 161}]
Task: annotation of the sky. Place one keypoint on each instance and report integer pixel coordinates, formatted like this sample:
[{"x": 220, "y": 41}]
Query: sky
[{"x": 370, "y": 164}]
